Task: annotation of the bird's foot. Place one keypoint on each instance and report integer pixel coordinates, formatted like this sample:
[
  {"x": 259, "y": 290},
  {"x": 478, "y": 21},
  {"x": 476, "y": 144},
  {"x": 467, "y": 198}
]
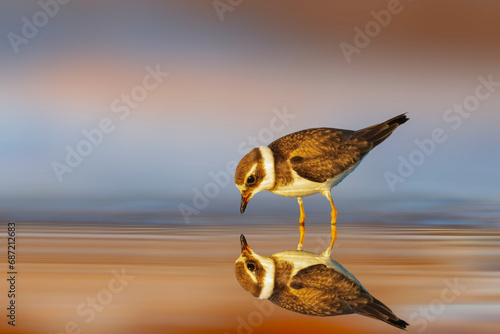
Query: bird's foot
[{"x": 300, "y": 247}]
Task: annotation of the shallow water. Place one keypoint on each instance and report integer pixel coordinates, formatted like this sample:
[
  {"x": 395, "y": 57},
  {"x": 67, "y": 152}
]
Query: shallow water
[{"x": 440, "y": 277}]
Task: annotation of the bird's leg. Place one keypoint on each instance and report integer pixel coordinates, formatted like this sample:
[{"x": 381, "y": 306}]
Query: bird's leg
[
  {"x": 328, "y": 251},
  {"x": 302, "y": 219}
]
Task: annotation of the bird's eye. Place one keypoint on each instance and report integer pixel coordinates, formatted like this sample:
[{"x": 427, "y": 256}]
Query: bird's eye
[
  {"x": 251, "y": 266},
  {"x": 251, "y": 179}
]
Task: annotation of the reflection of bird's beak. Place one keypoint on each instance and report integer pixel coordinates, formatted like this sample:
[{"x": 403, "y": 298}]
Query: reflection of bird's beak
[
  {"x": 244, "y": 245},
  {"x": 244, "y": 202}
]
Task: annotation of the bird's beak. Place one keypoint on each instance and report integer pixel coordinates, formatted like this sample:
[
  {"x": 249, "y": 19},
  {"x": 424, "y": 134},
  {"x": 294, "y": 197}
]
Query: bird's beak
[
  {"x": 244, "y": 245},
  {"x": 244, "y": 202}
]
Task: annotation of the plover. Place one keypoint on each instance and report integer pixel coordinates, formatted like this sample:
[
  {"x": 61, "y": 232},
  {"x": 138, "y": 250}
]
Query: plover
[
  {"x": 308, "y": 162},
  {"x": 308, "y": 283}
]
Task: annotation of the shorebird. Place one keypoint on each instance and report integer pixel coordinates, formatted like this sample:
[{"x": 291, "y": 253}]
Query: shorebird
[
  {"x": 308, "y": 283},
  {"x": 308, "y": 162}
]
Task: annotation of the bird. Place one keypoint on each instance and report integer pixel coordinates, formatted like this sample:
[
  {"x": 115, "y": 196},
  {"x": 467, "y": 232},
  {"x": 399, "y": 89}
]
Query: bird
[
  {"x": 308, "y": 283},
  {"x": 308, "y": 162}
]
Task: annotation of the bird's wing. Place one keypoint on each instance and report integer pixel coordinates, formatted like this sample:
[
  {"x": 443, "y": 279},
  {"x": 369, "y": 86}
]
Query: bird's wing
[
  {"x": 321, "y": 154},
  {"x": 345, "y": 294},
  {"x": 325, "y": 153}
]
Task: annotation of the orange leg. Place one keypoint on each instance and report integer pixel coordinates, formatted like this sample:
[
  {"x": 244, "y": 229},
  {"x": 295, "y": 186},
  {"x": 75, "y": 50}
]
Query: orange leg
[
  {"x": 302, "y": 227},
  {"x": 328, "y": 195}
]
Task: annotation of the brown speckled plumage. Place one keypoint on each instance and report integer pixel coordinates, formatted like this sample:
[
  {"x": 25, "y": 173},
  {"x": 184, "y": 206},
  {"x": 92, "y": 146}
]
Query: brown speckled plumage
[
  {"x": 319, "y": 287},
  {"x": 317, "y": 290},
  {"x": 322, "y": 291},
  {"x": 321, "y": 154}
]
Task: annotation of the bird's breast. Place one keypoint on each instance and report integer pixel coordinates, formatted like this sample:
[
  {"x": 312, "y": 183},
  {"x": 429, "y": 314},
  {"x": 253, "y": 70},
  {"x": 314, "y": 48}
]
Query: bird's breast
[{"x": 298, "y": 186}]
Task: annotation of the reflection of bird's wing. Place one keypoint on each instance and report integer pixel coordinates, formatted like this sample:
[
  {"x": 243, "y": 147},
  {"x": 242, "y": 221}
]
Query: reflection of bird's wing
[{"x": 325, "y": 287}]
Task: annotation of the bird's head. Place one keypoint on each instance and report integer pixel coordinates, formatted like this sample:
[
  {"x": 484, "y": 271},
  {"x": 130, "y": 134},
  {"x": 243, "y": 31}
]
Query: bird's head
[
  {"x": 255, "y": 273},
  {"x": 254, "y": 173}
]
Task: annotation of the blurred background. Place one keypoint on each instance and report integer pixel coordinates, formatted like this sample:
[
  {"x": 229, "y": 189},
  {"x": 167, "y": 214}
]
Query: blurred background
[{"x": 123, "y": 120}]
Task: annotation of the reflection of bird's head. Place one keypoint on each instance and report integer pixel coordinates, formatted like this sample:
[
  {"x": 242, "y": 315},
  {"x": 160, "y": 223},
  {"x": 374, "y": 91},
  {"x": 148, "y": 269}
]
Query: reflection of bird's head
[
  {"x": 254, "y": 173},
  {"x": 255, "y": 273}
]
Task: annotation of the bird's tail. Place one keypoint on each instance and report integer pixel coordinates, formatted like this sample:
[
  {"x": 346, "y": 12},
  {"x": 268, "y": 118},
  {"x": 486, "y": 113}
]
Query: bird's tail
[
  {"x": 376, "y": 134},
  {"x": 378, "y": 310}
]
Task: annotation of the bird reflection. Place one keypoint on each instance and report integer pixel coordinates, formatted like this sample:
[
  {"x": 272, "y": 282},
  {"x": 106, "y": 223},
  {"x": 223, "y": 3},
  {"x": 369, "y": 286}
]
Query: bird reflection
[{"x": 308, "y": 283}]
